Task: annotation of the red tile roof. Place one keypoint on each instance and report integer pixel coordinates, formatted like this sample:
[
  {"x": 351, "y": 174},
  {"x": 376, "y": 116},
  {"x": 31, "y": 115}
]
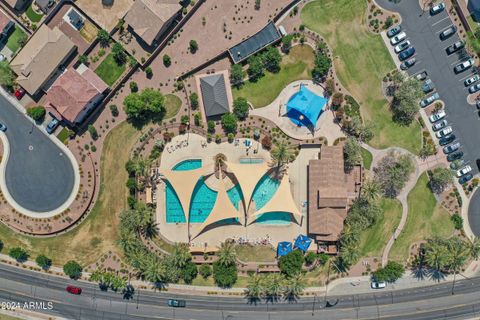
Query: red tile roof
[{"x": 4, "y": 20}]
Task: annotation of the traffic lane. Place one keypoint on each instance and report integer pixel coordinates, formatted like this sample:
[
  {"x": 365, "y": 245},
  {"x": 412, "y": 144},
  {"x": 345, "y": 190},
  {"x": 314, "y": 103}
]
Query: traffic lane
[
  {"x": 474, "y": 213},
  {"x": 38, "y": 175}
]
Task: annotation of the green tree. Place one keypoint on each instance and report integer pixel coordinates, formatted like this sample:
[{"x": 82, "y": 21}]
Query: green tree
[
  {"x": 103, "y": 37},
  {"x": 255, "y": 288},
  {"x": 226, "y": 254},
  {"x": 392, "y": 172},
  {"x": 436, "y": 256},
  {"x": 180, "y": 255},
  {"x": 241, "y": 108},
  {"x": 189, "y": 272},
  {"x": 272, "y": 59},
  {"x": 153, "y": 269},
  {"x": 148, "y": 104},
  {"x": 322, "y": 65},
  {"x": 440, "y": 179},
  {"x": 73, "y": 269},
  {"x": 119, "y": 54},
  {"x": 390, "y": 273},
  {"x": 274, "y": 285},
  {"x": 211, "y": 126},
  {"x": 167, "y": 61},
  {"x": 205, "y": 271},
  {"x": 18, "y": 254},
  {"x": 310, "y": 257},
  {"x": 36, "y": 113},
  {"x": 83, "y": 59},
  {"x": 352, "y": 153},
  {"x": 43, "y": 261},
  {"x": 287, "y": 42},
  {"x": 148, "y": 72},
  {"x": 193, "y": 45},
  {"x": 291, "y": 263},
  {"x": 93, "y": 132},
  {"x": 294, "y": 286},
  {"x": 133, "y": 86},
  {"x": 237, "y": 74},
  {"x": 281, "y": 154},
  {"x": 255, "y": 68},
  {"x": 193, "y": 100},
  {"x": 405, "y": 104},
  {"x": 6, "y": 74},
  {"x": 229, "y": 122},
  {"x": 371, "y": 190},
  {"x": 225, "y": 276}
]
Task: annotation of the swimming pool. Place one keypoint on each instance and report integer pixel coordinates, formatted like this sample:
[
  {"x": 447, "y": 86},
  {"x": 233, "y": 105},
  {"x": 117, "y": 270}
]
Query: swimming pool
[
  {"x": 186, "y": 165},
  {"x": 235, "y": 195},
  {"x": 279, "y": 218},
  {"x": 304, "y": 107},
  {"x": 174, "y": 211},
  {"x": 264, "y": 191}
]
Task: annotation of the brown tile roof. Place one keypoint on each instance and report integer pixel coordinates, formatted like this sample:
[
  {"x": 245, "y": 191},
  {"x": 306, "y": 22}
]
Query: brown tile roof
[
  {"x": 4, "y": 20},
  {"x": 71, "y": 92},
  {"x": 328, "y": 224},
  {"x": 40, "y": 57},
  {"x": 148, "y": 17}
]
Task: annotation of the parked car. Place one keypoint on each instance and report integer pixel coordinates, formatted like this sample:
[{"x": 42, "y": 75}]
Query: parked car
[
  {"x": 19, "y": 93},
  {"x": 447, "y": 33},
  {"x": 455, "y": 47},
  {"x": 437, "y": 8},
  {"x": 421, "y": 76},
  {"x": 446, "y": 140},
  {"x": 408, "y": 63},
  {"x": 404, "y": 55},
  {"x": 464, "y": 171},
  {"x": 176, "y": 303},
  {"x": 464, "y": 179},
  {"x": 378, "y": 284},
  {"x": 428, "y": 86},
  {"x": 402, "y": 46},
  {"x": 3, "y": 127},
  {"x": 457, "y": 164},
  {"x": 437, "y": 116},
  {"x": 463, "y": 66},
  {"x": 2, "y": 57},
  {"x": 451, "y": 148},
  {"x": 439, "y": 125},
  {"x": 471, "y": 80},
  {"x": 455, "y": 156},
  {"x": 74, "y": 290},
  {"x": 429, "y": 100},
  {"x": 394, "y": 31},
  {"x": 444, "y": 132},
  {"x": 398, "y": 38},
  {"x": 474, "y": 88},
  {"x": 52, "y": 125}
]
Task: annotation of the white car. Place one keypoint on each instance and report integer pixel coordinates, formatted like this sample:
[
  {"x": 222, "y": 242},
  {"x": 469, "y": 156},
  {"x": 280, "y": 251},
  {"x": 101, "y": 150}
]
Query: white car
[
  {"x": 437, "y": 116},
  {"x": 398, "y": 38},
  {"x": 439, "y": 125},
  {"x": 472, "y": 80},
  {"x": 402, "y": 46},
  {"x": 464, "y": 171},
  {"x": 463, "y": 65},
  {"x": 444, "y": 132},
  {"x": 378, "y": 284}
]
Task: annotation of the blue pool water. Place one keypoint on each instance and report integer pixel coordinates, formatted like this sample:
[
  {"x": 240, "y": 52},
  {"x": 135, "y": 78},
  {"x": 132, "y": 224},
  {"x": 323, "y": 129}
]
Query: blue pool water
[
  {"x": 280, "y": 218},
  {"x": 235, "y": 195},
  {"x": 174, "y": 208},
  {"x": 251, "y": 160},
  {"x": 304, "y": 107},
  {"x": 188, "y": 165},
  {"x": 264, "y": 191},
  {"x": 202, "y": 203}
]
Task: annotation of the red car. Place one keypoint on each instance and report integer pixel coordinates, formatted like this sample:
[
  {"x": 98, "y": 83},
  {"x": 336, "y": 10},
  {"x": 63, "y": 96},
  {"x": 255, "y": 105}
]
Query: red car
[
  {"x": 19, "y": 93},
  {"x": 74, "y": 290}
]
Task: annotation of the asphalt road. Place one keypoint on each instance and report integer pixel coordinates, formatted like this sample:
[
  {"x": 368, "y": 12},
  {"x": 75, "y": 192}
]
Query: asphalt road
[
  {"x": 434, "y": 302},
  {"x": 38, "y": 175},
  {"x": 423, "y": 31}
]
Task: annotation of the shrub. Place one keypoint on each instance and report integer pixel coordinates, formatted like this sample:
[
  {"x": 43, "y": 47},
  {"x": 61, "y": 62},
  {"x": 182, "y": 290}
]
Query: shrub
[
  {"x": 211, "y": 126},
  {"x": 267, "y": 142},
  {"x": 184, "y": 120},
  {"x": 241, "y": 108},
  {"x": 36, "y": 113},
  {"x": 310, "y": 257},
  {"x": 193, "y": 45},
  {"x": 457, "y": 221},
  {"x": 114, "y": 110},
  {"x": 167, "y": 61},
  {"x": 103, "y": 37},
  {"x": 133, "y": 86},
  {"x": 197, "y": 118},
  {"x": 337, "y": 99},
  {"x": 225, "y": 276},
  {"x": 193, "y": 100},
  {"x": 93, "y": 132},
  {"x": 43, "y": 261},
  {"x": 390, "y": 273},
  {"x": 72, "y": 269},
  {"x": 205, "y": 271},
  {"x": 18, "y": 254},
  {"x": 189, "y": 272},
  {"x": 83, "y": 59},
  {"x": 229, "y": 122},
  {"x": 323, "y": 258},
  {"x": 148, "y": 72},
  {"x": 119, "y": 54}
]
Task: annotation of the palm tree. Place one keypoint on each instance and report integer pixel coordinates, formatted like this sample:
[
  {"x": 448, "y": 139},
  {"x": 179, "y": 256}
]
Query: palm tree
[
  {"x": 154, "y": 270},
  {"x": 473, "y": 248},
  {"x": 119, "y": 283},
  {"x": 180, "y": 255},
  {"x": 349, "y": 255},
  {"x": 281, "y": 154},
  {"x": 255, "y": 288},
  {"x": 274, "y": 286},
  {"x": 226, "y": 255},
  {"x": 436, "y": 256},
  {"x": 371, "y": 190},
  {"x": 457, "y": 256},
  {"x": 294, "y": 286}
]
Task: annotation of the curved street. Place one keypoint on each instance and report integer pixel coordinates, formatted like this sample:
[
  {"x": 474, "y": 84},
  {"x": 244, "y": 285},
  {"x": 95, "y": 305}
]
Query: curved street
[
  {"x": 474, "y": 213},
  {"x": 39, "y": 176}
]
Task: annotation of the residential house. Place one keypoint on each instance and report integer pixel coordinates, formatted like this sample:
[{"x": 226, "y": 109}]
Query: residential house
[
  {"x": 74, "y": 95},
  {"x": 45, "y": 5},
  {"x": 41, "y": 57},
  {"x": 18, "y": 5},
  {"x": 148, "y": 19}
]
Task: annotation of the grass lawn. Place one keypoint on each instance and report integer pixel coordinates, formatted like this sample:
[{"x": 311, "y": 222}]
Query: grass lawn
[
  {"x": 64, "y": 134},
  {"x": 99, "y": 232},
  {"x": 367, "y": 158},
  {"x": 374, "y": 239},
  {"x": 172, "y": 104},
  {"x": 109, "y": 70},
  {"x": 32, "y": 15},
  {"x": 249, "y": 253},
  {"x": 361, "y": 61},
  {"x": 295, "y": 66},
  {"x": 426, "y": 218},
  {"x": 12, "y": 42}
]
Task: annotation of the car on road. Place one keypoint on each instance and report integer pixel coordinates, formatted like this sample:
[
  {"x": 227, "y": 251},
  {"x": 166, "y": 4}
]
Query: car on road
[
  {"x": 52, "y": 125},
  {"x": 398, "y": 38},
  {"x": 478, "y": 104},
  {"x": 19, "y": 93},
  {"x": 444, "y": 132},
  {"x": 474, "y": 88},
  {"x": 464, "y": 179},
  {"x": 394, "y": 31},
  {"x": 455, "y": 47},
  {"x": 446, "y": 140},
  {"x": 457, "y": 164},
  {"x": 404, "y": 55},
  {"x": 455, "y": 156},
  {"x": 437, "y": 8},
  {"x": 378, "y": 284},
  {"x": 74, "y": 290},
  {"x": 428, "y": 86},
  {"x": 3, "y": 127},
  {"x": 408, "y": 63},
  {"x": 464, "y": 171},
  {"x": 439, "y": 125},
  {"x": 462, "y": 66},
  {"x": 437, "y": 116},
  {"x": 429, "y": 100},
  {"x": 421, "y": 76},
  {"x": 451, "y": 148},
  {"x": 471, "y": 80},
  {"x": 447, "y": 33},
  {"x": 176, "y": 303},
  {"x": 402, "y": 46}
]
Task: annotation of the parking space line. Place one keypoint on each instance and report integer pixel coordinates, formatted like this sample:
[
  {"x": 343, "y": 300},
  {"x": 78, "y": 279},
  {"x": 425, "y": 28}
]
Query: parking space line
[
  {"x": 440, "y": 20},
  {"x": 466, "y": 77},
  {"x": 436, "y": 32}
]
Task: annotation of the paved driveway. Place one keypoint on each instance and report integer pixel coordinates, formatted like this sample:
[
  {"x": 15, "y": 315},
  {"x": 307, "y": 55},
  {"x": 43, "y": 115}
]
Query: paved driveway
[
  {"x": 38, "y": 175},
  {"x": 423, "y": 32}
]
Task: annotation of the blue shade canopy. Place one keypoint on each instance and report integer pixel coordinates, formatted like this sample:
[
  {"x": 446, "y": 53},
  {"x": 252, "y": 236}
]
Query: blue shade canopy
[
  {"x": 304, "y": 107},
  {"x": 284, "y": 248},
  {"x": 303, "y": 242}
]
